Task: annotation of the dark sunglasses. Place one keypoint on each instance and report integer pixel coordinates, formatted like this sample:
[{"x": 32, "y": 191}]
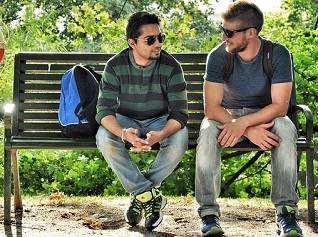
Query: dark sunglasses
[
  {"x": 152, "y": 39},
  {"x": 231, "y": 33}
]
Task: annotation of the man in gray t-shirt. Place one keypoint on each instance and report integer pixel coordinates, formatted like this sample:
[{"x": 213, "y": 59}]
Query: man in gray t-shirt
[{"x": 247, "y": 106}]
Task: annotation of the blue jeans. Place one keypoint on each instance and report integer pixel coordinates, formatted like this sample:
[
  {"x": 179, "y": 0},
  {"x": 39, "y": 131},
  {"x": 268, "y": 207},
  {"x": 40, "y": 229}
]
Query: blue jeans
[
  {"x": 208, "y": 165},
  {"x": 117, "y": 156}
]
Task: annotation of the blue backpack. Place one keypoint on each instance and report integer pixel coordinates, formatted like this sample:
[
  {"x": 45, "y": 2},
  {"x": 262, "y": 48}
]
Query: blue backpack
[{"x": 77, "y": 108}]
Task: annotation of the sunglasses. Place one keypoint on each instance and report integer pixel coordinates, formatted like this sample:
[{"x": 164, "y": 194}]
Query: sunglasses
[
  {"x": 231, "y": 33},
  {"x": 152, "y": 39}
]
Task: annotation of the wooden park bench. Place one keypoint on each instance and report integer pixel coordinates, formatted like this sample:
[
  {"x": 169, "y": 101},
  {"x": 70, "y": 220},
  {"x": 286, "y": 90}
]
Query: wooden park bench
[{"x": 33, "y": 122}]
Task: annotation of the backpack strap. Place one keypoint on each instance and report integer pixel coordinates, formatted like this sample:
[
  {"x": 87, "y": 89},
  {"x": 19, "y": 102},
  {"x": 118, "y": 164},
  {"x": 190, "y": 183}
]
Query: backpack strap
[
  {"x": 267, "y": 59},
  {"x": 228, "y": 67}
]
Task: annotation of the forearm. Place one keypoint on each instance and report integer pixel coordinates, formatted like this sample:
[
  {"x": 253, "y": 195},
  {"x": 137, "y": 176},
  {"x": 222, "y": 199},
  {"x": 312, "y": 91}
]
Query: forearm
[
  {"x": 171, "y": 127},
  {"x": 111, "y": 124},
  {"x": 280, "y": 93},
  {"x": 218, "y": 113},
  {"x": 265, "y": 115}
]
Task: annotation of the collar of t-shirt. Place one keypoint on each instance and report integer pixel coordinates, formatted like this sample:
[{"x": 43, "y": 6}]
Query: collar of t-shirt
[{"x": 144, "y": 68}]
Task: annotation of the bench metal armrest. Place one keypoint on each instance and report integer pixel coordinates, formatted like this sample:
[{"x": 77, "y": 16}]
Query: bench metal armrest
[
  {"x": 309, "y": 121},
  {"x": 7, "y": 118}
]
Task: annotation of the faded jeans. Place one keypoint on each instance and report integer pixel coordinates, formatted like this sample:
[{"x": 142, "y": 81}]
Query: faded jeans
[
  {"x": 208, "y": 165},
  {"x": 117, "y": 156}
]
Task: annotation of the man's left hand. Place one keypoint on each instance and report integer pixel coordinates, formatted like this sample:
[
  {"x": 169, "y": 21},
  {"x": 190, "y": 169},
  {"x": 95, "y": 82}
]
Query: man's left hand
[
  {"x": 153, "y": 137},
  {"x": 231, "y": 132}
]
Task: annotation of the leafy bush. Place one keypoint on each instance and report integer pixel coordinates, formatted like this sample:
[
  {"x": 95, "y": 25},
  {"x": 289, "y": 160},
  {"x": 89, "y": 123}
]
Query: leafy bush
[{"x": 87, "y": 173}]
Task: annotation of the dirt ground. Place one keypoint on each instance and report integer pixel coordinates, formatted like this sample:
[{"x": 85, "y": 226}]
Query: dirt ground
[{"x": 95, "y": 216}]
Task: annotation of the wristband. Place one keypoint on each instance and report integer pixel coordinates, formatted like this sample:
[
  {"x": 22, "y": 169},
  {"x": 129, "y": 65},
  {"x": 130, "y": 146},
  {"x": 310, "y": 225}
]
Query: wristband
[{"x": 122, "y": 134}]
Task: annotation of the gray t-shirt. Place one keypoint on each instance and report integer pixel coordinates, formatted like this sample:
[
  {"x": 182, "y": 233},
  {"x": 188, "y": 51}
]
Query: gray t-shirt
[{"x": 248, "y": 86}]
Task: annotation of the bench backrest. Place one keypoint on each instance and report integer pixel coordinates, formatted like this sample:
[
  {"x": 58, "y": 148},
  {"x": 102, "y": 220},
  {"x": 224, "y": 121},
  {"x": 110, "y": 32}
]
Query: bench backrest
[{"x": 36, "y": 92}]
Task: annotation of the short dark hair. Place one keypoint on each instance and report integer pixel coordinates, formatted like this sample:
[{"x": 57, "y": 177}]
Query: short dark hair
[
  {"x": 246, "y": 12},
  {"x": 137, "y": 20}
]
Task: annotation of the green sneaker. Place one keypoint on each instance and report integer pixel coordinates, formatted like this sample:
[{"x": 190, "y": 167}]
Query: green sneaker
[
  {"x": 133, "y": 214},
  {"x": 211, "y": 226},
  {"x": 287, "y": 225},
  {"x": 153, "y": 208}
]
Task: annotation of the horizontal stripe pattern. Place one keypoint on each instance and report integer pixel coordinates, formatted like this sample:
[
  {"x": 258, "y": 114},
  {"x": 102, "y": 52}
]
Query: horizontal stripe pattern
[{"x": 143, "y": 93}]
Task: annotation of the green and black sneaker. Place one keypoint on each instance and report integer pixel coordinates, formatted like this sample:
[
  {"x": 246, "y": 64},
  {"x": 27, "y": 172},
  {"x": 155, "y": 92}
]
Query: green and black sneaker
[
  {"x": 287, "y": 225},
  {"x": 153, "y": 209},
  {"x": 133, "y": 214}
]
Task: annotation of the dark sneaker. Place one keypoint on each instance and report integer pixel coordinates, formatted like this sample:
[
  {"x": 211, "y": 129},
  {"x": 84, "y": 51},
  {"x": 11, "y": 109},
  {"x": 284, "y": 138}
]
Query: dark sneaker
[
  {"x": 133, "y": 214},
  {"x": 211, "y": 226},
  {"x": 153, "y": 209},
  {"x": 287, "y": 223}
]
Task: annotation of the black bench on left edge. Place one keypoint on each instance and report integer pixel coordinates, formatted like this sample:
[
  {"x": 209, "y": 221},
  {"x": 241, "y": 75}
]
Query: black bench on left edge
[{"x": 33, "y": 123}]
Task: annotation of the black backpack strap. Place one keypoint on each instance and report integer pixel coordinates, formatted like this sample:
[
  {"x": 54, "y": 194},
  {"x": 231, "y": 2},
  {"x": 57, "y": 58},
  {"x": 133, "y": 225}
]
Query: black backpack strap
[
  {"x": 267, "y": 59},
  {"x": 228, "y": 67}
]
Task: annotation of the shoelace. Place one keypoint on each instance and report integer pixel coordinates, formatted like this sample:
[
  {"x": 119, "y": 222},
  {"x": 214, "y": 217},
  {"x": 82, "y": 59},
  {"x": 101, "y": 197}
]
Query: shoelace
[
  {"x": 211, "y": 218},
  {"x": 288, "y": 221},
  {"x": 136, "y": 205},
  {"x": 152, "y": 206}
]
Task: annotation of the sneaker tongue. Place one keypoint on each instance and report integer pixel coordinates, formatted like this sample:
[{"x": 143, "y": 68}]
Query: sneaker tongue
[
  {"x": 144, "y": 197},
  {"x": 288, "y": 209}
]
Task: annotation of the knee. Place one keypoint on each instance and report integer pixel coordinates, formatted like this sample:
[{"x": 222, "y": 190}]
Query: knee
[
  {"x": 208, "y": 130},
  {"x": 178, "y": 140},
  {"x": 104, "y": 137},
  {"x": 285, "y": 128}
]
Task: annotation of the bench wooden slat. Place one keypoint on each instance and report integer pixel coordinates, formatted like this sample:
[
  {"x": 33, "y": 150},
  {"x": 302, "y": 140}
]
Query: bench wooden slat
[
  {"x": 196, "y": 116},
  {"x": 37, "y": 106},
  {"x": 193, "y": 78},
  {"x": 195, "y": 87},
  {"x": 40, "y": 87},
  {"x": 58, "y": 57},
  {"x": 42, "y": 116},
  {"x": 56, "y": 68},
  {"x": 29, "y": 106},
  {"x": 84, "y": 56},
  {"x": 197, "y": 106},
  {"x": 193, "y": 68},
  {"x": 40, "y": 96},
  {"x": 197, "y": 96},
  {"x": 56, "y": 86},
  {"x": 41, "y": 77},
  {"x": 51, "y": 116},
  {"x": 191, "y": 57},
  {"x": 54, "y": 76},
  {"x": 39, "y": 126}
]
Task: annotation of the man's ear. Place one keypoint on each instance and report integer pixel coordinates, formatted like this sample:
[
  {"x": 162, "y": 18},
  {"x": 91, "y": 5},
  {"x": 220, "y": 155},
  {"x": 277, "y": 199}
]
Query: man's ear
[
  {"x": 252, "y": 32},
  {"x": 132, "y": 43}
]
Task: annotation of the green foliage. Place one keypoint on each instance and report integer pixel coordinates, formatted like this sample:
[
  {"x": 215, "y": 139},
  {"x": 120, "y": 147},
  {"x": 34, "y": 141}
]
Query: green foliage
[
  {"x": 86, "y": 173},
  {"x": 93, "y": 30},
  {"x": 302, "y": 43},
  {"x": 302, "y": 13}
]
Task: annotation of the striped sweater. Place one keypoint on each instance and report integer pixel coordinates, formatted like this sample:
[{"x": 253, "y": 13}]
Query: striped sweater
[{"x": 143, "y": 93}]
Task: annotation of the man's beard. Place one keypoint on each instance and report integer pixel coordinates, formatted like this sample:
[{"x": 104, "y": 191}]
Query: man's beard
[
  {"x": 239, "y": 48},
  {"x": 155, "y": 56}
]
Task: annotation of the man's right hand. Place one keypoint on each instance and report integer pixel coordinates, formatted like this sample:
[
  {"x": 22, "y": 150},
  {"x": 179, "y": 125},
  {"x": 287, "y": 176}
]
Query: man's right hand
[
  {"x": 138, "y": 144},
  {"x": 261, "y": 137}
]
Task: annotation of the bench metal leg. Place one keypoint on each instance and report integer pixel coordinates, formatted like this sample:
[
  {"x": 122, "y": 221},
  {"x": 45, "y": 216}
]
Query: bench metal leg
[
  {"x": 228, "y": 182},
  {"x": 310, "y": 185},
  {"x": 7, "y": 186},
  {"x": 16, "y": 182}
]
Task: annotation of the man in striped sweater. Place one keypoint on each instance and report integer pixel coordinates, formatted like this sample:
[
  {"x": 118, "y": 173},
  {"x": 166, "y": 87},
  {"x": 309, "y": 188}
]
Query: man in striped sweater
[{"x": 143, "y": 101}]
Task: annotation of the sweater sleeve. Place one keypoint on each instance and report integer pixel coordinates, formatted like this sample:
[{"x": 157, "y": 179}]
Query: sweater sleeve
[
  {"x": 177, "y": 96},
  {"x": 107, "y": 103}
]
